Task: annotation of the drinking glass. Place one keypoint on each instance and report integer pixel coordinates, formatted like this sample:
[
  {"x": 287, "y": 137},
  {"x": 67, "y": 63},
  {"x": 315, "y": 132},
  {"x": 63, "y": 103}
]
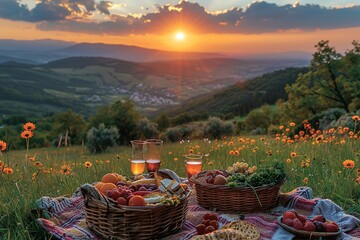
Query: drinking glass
[
  {"x": 153, "y": 154},
  {"x": 137, "y": 157},
  {"x": 193, "y": 164}
]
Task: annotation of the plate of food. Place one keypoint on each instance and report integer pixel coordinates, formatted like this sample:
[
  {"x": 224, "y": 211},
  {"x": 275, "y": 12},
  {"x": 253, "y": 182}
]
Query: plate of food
[{"x": 303, "y": 226}]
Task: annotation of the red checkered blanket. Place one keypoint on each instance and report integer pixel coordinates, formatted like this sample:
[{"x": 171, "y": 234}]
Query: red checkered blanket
[{"x": 64, "y": 217}]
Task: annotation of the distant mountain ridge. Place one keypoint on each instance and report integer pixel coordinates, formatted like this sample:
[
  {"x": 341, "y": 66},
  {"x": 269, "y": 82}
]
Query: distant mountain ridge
[
  {"x": 84, "y": 83},
  {"x": 43, "y": 51},
  {"x": 47, "y": 50},
  {"x": 240, "y": 98},
  {"x": 129, "y": 53}
]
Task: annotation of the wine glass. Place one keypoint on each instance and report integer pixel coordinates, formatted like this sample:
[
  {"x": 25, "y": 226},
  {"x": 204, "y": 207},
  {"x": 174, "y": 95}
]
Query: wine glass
[
  {"x": 153, "y": 154},
  {"x": 137, "y": 157},
  {"x": 193, "y": 164}
]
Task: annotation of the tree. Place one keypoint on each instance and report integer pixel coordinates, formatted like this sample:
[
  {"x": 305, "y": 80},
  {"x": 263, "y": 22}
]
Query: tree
[
  {"x": 123, "y": 115},
  {"x": 332, "y": 81},
  {"x": 163, "y": 121},
  {"x": 70, "y": 125}
]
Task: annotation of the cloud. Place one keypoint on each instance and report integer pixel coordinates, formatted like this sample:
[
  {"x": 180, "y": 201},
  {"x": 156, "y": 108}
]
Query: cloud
[
  {"x": 258, "y": 17},
  {"x": 11, "y": 9},
  {"x": 104, "y": 6}
]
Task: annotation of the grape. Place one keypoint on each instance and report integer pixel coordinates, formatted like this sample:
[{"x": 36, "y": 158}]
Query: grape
[
  {"x": 120, "y": 183},
  {"x": 142, "y": 188}
]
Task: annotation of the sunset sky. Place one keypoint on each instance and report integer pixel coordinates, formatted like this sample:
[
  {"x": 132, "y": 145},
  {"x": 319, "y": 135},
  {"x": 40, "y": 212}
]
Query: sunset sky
[{"x": 226, "y": 26}]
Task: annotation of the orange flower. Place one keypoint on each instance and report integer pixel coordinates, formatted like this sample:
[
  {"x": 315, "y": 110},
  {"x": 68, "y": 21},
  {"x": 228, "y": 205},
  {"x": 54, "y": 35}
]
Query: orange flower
[
  {"x": 27, "y": 134},
  {"x": 231, "y": 152},
  {"x": 356, "y": 118},
  {"x": 8, "y": 170},
  {"x": 292, "y": 124},
  {"x": 345, "y": 129},
  {"x": 350, "y": 164},
  {"x": 293, "y": 154},
  {"x": 87, "y": 164},
  {"x": 2, "y": 146},
  {"x": 65, "y": 169},
  {"x": 288, "y": 160},
  {"x": 236, "y": 152},
  {"x": 38, "y": 164},
  {"x": 281, "y": 127},
  {"x": 107, "y": 161},
  {"x": 31, "y": 159},
  {"x": 305, "y": 180},
  {"x": 358, "y": 180},
  {"x": 29, "y": 126},
  {"x": 191, "y": 151}
]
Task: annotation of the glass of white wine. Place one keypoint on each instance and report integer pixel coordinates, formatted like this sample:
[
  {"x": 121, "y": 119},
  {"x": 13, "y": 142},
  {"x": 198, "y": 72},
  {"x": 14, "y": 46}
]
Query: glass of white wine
[{"x": 137, "y": 157}]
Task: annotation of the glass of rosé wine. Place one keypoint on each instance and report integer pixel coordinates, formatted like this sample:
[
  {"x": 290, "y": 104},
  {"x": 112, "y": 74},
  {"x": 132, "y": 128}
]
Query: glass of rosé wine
[
  {"x": 137, "y": 161},
  {"x": 152, "y": 154},
  {"x": 193, "y": 164}
]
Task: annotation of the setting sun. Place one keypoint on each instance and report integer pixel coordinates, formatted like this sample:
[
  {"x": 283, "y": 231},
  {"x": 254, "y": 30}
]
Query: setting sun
[{"x": 180, "y": 36}]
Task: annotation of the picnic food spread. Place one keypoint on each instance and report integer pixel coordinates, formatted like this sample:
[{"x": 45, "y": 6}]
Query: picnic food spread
[
  {"x": 316, "y": 226},
  {"x": 240, "y": 188},
  {"x": 142, "y": 191},
  {"x": 124, "y": 196}
]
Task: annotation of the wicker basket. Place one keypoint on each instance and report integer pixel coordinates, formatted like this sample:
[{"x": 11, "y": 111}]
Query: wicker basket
[
  {"x": 235, "y": 199},
  {"x": 110, "y": 220}
]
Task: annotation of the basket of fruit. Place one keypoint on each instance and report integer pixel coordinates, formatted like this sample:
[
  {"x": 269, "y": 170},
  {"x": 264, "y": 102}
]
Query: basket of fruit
[
  {"x": 147, "y": 208},
  {"x": 240, "y": 188},
  {"x": 306, "y": 227}
]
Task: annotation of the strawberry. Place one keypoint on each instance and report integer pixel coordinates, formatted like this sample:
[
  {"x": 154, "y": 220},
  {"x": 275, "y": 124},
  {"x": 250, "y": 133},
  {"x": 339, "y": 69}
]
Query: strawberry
[
  {"x": 331, "y": 227},
  {"x": 209, "y": 229},
  {"x": 206, "y": 222},
  {"x": 298, "y": 224},
  {"x": 288, "y": 221},
  {"x": 215, "y": 224},
  {"x": 302, "y": 218},
  {"x": 309, "y": 226},
  {"x": 319, "y": 218},
  {"x": 200, "y": 229},
  {"x": 289, "y": 214}
]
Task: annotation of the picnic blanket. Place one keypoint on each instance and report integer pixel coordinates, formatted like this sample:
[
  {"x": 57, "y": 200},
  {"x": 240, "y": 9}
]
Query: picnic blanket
[{"x": 64, "y": 217}]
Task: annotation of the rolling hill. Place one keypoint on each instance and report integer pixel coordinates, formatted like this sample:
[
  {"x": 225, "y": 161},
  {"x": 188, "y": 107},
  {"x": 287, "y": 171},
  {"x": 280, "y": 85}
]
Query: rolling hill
[
  {"x": 84, "y": 83},
  {"x": 240, "y": 98}
]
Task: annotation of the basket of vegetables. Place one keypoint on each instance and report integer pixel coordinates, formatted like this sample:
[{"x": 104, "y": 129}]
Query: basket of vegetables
[
  {"x": 147, "y": 208},
  {"x": 240, "y": 188}
]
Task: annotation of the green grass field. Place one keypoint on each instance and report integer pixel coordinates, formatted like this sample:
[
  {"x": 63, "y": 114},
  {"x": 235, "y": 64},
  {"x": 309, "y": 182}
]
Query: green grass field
[{"x": 315, "y": 161}]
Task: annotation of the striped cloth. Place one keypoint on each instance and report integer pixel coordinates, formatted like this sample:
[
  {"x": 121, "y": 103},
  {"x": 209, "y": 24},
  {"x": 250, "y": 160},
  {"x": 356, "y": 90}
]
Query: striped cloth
[{"x": 64, "y": 217}]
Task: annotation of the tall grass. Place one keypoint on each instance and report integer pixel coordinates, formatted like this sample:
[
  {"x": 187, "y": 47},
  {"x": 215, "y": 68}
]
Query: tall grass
[{"x": 315, "y": 161}]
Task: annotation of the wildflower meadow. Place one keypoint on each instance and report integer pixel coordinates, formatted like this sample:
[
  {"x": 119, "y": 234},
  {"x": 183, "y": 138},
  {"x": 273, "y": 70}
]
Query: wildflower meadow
[{"x": 327, "y": 161}]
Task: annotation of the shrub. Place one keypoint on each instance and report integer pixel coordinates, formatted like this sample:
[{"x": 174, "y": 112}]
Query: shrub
[
  {"x": 147, "y": 129},
  {"x": 216, "y": 128},
  {"x": 257, "y": 119},
  {"x": 273, "y": 130},
  {"x": 177, "y": 133},
  {"x": 329, "y": 116},
  {"x": 347, "y": 121},
  {"x": 98, "y": 139}
]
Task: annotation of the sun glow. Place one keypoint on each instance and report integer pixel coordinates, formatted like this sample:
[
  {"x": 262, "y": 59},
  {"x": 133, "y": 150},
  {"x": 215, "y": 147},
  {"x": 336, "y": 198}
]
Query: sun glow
[{"x": 180, "y": 36}]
